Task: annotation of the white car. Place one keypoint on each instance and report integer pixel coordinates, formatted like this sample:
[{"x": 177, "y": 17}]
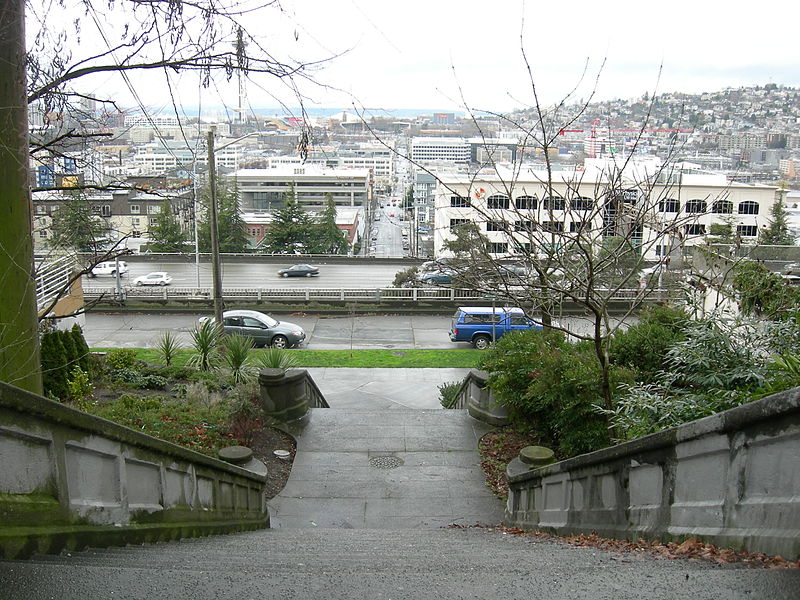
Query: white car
[
  {"x": 109, "y": 267},
  {"x": 157, "y": 278}
]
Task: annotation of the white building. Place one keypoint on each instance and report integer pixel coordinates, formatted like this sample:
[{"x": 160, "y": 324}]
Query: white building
[
  {"x": 524, "y": 211},
  {"x": 265, "y": 189},
  {"x": 433, "y": 149}
]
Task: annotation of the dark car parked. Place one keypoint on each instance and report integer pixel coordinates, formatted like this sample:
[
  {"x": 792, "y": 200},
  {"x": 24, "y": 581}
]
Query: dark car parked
[{"x": 301, "y": 270}]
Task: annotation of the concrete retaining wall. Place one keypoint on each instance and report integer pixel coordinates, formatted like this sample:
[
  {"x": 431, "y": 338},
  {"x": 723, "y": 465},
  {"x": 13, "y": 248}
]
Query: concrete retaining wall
[
  {"x": 478, "y": 399},
  {"x": 69, "y": 480},
  {"x": 732, "y": 479}
]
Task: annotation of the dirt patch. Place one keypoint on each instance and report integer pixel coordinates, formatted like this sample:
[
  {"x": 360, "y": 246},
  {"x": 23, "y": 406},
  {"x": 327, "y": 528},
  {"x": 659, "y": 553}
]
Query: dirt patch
[{"x": 265, "y": 442}]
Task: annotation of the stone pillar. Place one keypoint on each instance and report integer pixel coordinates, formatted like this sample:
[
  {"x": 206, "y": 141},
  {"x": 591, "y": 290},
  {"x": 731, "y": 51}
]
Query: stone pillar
[{"x": 284, "y": 394}]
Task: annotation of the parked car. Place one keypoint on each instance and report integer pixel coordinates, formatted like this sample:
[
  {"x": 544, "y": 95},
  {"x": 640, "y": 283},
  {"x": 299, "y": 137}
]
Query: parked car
[
  {"x": 302, "y": 270},
  {"x": 437, "y": 278},
  {"x": 156, "y": 278},
  {"x": 263, "y": 329},
  {"x": 480, "y": 325},
  {"x": 109, "y": 267}
]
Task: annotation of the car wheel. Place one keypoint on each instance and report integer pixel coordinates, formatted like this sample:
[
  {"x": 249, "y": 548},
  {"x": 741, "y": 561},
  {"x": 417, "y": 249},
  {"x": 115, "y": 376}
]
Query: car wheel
[
  {"x": 91, "y": 275},
  {"x": 162, "y": 283},
  {"x": 280, "y": 341},
  {"x": 113, "y": 273},
  {"x": 284, "y": 274},
  {"x": 308, "y": 274},
  {"x": 481, "y": 342},
  {"x": 139, "y": 284}
]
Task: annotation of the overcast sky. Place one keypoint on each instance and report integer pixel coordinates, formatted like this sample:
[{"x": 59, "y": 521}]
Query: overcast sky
[{"x": 443, "y": 54}]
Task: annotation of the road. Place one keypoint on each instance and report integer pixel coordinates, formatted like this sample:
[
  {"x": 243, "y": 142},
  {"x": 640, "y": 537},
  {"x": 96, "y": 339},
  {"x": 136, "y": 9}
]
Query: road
[
  {"x": 259, "y": 275},
  {"x": 129, "y": 330}
]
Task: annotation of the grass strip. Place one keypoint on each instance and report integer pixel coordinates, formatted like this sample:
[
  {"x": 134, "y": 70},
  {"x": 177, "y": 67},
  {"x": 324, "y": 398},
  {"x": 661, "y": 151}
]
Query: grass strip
[{"x": 400, "y": 359}]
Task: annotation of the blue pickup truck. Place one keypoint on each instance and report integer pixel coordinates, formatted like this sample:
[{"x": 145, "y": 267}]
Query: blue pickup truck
[{"x": 480, "y": 325}]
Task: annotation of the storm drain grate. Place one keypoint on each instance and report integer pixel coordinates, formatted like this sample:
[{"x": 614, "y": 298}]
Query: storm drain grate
[{"x": 385, "y": 462}]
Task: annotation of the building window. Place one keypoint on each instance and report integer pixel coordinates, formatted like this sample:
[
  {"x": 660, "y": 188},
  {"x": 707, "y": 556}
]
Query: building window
[
  {"x": 459, "y": 202},
  {"x": 662, "y": 250},
  {"x": 41, "y": 209},
  {"x": 43, "y": 233},
  {"x": 553, "y": 226},
  {"x": 722, "y": 207},
  {"x": 497, "y": 201},
  {"x": 495, "y": 226},
  {"x": 579, "y": 226},
  {"x": 457, "y": 223},
  {"x": 670, "y": 205},
  {"x": 135, "y": 222},
  {"x": 696, "y": 206},
  {"x": 106, "y": 210},
  {"x": 747, "y": 230},
  {"x": 748, "y": 207},
  {"x": 582, "y": 203},
  {"x": 524, "y": 226},
  {"x": 135, "y": 209},
  {"x": 153, "y": 209},
  {"x": 695, "y": 229},
  {"x": 553, "y": 203},
  {"x": 527, "y": 202},
  {"x": 497, "y": 247}
]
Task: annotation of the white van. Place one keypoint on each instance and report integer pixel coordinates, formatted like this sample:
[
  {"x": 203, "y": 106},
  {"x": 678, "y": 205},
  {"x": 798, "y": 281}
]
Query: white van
[{"x": 109, "y": 268}]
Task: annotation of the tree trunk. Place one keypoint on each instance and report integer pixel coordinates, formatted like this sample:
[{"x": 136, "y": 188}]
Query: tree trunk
[{"x": 19, "y": 341}]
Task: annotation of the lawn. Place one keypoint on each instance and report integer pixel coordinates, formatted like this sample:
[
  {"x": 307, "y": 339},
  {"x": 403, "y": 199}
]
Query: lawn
[{"x": 409, "y": 359}]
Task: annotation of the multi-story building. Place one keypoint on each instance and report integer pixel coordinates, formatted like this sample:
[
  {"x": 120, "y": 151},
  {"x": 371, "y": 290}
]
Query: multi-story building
[
  {"x": 658, "y": 209},
  {"x": 437, "y": 149},
  {"x": 265, "y": 189}
]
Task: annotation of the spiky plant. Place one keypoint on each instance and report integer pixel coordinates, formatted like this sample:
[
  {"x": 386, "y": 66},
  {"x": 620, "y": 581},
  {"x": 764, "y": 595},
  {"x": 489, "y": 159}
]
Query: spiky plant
[
  {"x": 235, "y": 354},
  {"x": 205, "y": 341},
  {"x": 276, "y": 358},
  {"x": 167, "y": 347}
]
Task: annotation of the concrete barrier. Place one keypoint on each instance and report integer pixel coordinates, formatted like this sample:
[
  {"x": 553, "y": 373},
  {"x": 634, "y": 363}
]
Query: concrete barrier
[
  {"x": 732, "y": 479},
  {"x": 69, "y": 480}
]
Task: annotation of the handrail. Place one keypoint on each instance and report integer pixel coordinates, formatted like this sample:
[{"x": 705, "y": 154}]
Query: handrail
[{"x": 434, "y": 294}]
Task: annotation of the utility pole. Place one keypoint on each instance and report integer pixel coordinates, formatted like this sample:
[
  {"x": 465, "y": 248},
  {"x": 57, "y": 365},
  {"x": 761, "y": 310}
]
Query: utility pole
[
  {"x": 19, "y": 338},
  {"x": 215, "y": 269}
]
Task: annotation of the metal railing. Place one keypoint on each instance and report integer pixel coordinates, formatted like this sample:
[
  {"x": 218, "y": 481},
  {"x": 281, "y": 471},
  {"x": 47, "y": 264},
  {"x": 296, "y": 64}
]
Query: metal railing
[
  {"x": 449, "y": 295},
  {"x": 52, "y": 276}
]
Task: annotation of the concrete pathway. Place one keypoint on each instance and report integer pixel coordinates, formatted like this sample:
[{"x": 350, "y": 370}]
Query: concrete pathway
[
  {"x": 384, "y": 469},
  {"x": 383, "y": 388}
]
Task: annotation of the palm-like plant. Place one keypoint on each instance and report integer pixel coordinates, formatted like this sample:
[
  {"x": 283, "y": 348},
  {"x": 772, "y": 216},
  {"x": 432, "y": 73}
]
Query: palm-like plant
[
  {"x": 205, "y": 340},
  {"x": 235, "y": 353},
  {"x": 167, "y": 347},
  {"x": 276, "y": 358}
]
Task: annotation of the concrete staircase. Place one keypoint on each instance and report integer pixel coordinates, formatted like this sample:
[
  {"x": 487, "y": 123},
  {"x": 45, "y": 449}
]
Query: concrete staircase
[{"x": 361, "y": 517}]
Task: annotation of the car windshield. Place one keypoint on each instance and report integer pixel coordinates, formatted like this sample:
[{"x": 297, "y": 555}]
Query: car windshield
[{"x": 268, "y": 320}]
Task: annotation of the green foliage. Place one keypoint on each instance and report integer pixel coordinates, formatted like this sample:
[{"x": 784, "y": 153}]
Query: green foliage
[
  {"x": 76, "y": 226},
  {"x": 135, "y": 379},
  {"x": 246, "y": 415},
  {"x": 84, "y": 356},
  {"x": 166, "y": 233},
  {"x": 205, "y": 341},
  {"x": 231, "y": 227},
  {"x": 71, "y": 352},
  {"x": 406, "y": 278},
  {"x": 761, "y": 292},
  {"x": 643, "y": 347},
  {"x": 121, "y": 358},
  {"x": 551, "y": 387},
  {"x": 192, "y": 425},
  {"x": 55, "y": 372},
  {"x": 291, "y": 230},
  {"x": 167, "y": 347},
  {"x": 448, "y": 394},
  {"x": 719, "y": 363},
  {"x": 276, "y": 358},
  {"x": 326, "y": 237},
  {"x": 722, "y": 231},
  {"x": 79, "y": 385},
  {"x": 235, "y": 354},
  {"x": 618, "y": 261},
  {"x": 777, "y": 231}
]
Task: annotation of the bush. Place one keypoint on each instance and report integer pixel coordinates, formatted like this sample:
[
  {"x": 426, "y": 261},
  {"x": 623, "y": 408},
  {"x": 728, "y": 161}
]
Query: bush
[
  {"x": 235, "y": 354},
  {"x": 551, "y": 387},
  {"x": 136, "y": 379},
  {"x": 84, "y": 356},
  {"x": 121, "y": 358},
  {"x": 406, "y": 278},
  {"x": 54, "y": 366},
  {"x": 643, "y": 347},
  {"x": 448, "y": 394},
  {"x": 167, "y": 347},
  {"x": 276, "y": 358},
  {"x": 79, "y": 385}
]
